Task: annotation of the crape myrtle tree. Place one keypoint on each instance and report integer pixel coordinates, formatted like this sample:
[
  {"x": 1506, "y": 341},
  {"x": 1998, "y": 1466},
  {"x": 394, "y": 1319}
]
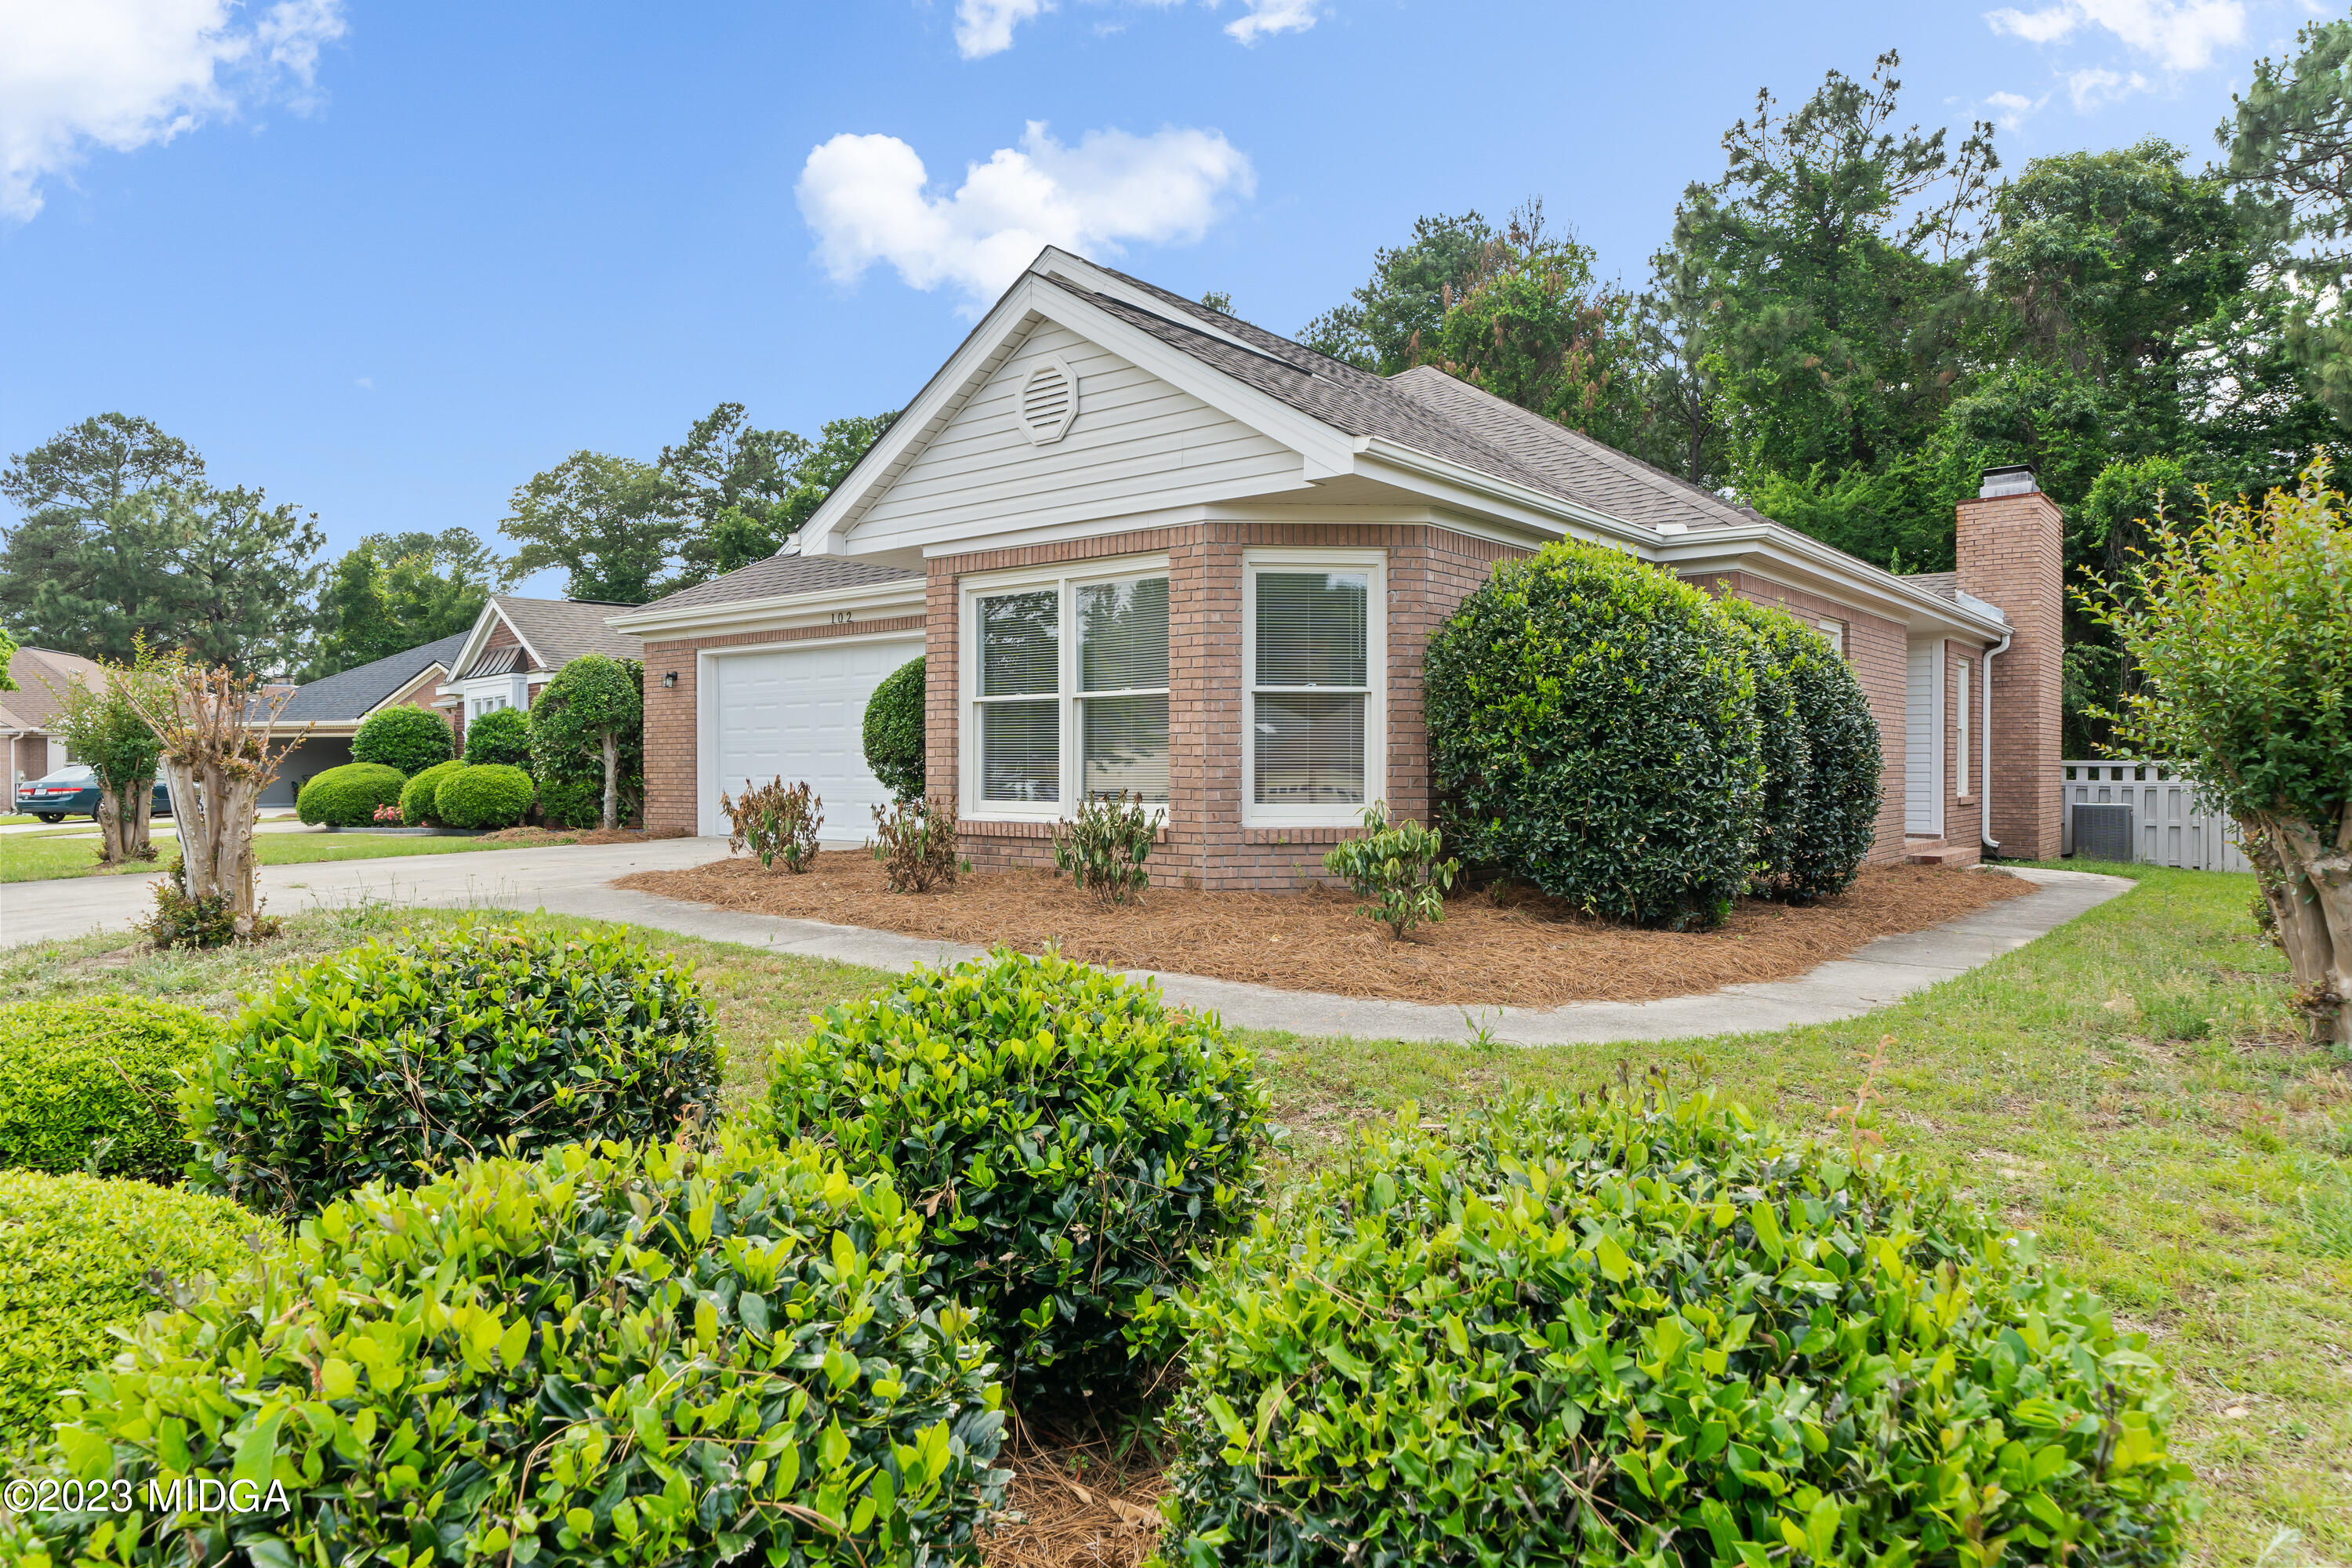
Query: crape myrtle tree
[
  {"x": 104, "y": 728},
  {"x": 2241, "y": 629}
]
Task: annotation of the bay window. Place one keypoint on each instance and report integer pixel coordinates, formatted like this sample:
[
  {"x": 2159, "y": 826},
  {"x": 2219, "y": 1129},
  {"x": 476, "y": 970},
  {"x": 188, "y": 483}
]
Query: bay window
[
  {"x": 1069, "y": 699},
  {"x": 1312, "y": 651}
]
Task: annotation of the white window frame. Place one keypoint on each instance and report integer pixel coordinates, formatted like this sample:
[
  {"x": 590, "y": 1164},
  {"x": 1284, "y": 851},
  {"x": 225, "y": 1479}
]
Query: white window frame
[
  {"x": 1376, "y": 694},
  {"x": 1063, "y": 577},
  {"x": 1832, "y": 632},
  {"x": 507, "y": 687}
]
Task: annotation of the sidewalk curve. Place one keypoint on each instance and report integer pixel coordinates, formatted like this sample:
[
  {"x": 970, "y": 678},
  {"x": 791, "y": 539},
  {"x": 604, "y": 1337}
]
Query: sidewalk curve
[{"x": 577, "y": 880}]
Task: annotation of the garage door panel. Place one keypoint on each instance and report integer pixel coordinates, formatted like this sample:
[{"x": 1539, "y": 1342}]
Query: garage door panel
[{"x": 799, "y": 713}]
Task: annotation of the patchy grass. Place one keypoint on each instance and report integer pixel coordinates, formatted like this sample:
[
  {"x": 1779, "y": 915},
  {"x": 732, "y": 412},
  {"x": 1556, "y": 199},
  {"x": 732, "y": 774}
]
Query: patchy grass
[
  {"x": 2131, "y": 1087},
  {"x": 40, "y": 857}
]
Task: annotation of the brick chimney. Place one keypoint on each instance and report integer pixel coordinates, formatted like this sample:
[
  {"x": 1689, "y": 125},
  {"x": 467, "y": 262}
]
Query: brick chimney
[{"x": 2012, "y": 554}]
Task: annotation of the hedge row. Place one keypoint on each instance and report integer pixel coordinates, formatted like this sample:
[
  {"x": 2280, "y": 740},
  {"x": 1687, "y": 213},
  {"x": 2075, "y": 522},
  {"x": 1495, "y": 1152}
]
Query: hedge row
[{"x": 1614, "y": 736}]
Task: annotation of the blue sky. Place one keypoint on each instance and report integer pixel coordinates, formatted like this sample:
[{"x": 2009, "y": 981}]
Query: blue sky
[{"x": 389, "y": 260}]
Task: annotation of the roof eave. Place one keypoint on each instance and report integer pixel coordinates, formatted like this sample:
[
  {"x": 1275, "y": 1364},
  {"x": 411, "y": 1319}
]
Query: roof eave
[
  {"x": 1378, "y": 457},
  {"x": 696, "y": 618},
  {"x": 1730, "y": 549}
]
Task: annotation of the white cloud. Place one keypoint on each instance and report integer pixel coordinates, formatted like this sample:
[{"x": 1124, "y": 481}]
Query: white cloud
[
  {"x": 2180, "y": 35},
  {"x": 2096, "y": 88},
  {"x": 2013, "y": 109},
  {"x": 984, "y": 27},
  {"x": 865, "y": 197},
  {"x": 1266, "y": 18},
  {"x": 124, "y": 74}
]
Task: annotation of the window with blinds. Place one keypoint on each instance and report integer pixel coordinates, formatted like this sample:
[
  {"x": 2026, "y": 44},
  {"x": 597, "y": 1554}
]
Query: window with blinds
[
  {"x": 1310, "y": 686},
  {"x": 1082, "y": 660}
]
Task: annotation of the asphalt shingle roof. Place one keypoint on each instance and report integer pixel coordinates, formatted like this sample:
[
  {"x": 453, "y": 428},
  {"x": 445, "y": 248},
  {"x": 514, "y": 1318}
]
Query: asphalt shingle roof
[
  {"x": 353, "y": 693},
  {"x": 560, "y": 630},
  {"x": 782, "y": 575},
  {"x": 43, "y": 674}
]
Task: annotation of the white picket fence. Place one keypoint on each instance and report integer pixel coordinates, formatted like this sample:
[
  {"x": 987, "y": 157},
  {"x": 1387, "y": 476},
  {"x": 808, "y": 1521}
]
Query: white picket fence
[{"x": 2170, "y": 826}]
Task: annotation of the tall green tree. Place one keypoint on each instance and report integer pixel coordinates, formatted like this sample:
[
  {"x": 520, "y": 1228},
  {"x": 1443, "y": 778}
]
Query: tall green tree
[
  {"x": 751, "y": 490},
  {"x": 393, "y": 591},
  {"x": 613, "y": 524},
  {"x": 1385, "y": 324},
  {"x": 63, "y": 489}
]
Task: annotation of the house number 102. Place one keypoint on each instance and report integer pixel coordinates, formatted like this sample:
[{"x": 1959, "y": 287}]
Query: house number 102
[{"x": 843, "y": 617}]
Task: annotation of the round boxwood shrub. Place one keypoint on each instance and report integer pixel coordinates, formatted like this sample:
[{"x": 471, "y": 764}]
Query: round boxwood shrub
[
  {"x": 1592, "y": 729},
  {"x": 634, "y": 1356},
  {"x": 423, "y": 1049},
  {"x": 417, "y": 795},
  {"x": 1772, "y": 640},
  {"x": 347, "y": 797},
  {"x": 501, "y": 736},
  {"x": 1840, "y": 819},
  {"x": 492, "y": 795},
  {"x": 1071, "y": 1137},
  {"x": 409, "y": 739},
  {"x": 1596, "y": 1333},
  {"x": 101, "y": 1070},
  {"x": 77, "y": 1254},
  {"x": 894, "y": 730}
]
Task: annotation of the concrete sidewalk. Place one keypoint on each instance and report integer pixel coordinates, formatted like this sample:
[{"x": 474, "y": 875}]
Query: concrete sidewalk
[{"x": 576, "y": 880}]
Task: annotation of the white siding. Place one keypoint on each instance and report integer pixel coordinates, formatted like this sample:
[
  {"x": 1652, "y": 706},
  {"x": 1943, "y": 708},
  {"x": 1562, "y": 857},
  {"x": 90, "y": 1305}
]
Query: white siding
[
  {"x": 1138, "y": 444},
  {"x": 1922, "y": 742}
]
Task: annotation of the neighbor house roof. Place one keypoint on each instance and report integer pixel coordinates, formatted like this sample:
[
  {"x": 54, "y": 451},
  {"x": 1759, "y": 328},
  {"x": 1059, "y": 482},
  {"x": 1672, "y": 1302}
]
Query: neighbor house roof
[
  {"x": 558, "y": 631},
  {"x": 352, "y": 694},
  {"x": 42, "y": 675}
]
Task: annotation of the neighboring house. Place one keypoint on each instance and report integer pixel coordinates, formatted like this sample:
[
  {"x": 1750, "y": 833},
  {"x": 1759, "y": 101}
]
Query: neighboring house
[
  {"x": 1147, "y": 546},
  {"x": 29, "y": 744},
  {"x": 515, "y": 648},
  {"x": 327, "y": 712}
]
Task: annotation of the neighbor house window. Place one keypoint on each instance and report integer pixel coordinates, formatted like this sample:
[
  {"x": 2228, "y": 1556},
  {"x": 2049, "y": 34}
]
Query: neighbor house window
[
  {"x": 1314, "y": 636},
  {"x": 1070, "y": 698}
]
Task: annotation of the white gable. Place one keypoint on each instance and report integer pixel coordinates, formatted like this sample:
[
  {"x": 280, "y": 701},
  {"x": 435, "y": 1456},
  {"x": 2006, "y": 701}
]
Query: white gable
[{"x": 1137, "y": 444}]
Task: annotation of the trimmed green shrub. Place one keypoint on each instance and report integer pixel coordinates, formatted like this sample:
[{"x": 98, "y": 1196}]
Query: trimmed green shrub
[
  {"x": 1592, "y": 731},
  {"x": 422, "y": 1050},
  {"x": 1839, "y": 820},
  {"x": 1071, "y": 1137},
  {"x": 491, "y": 796},
  {"x": 418, "y": 802},
  {"x": 409, "y": 739},
  {"x": 99, "y": 1069},
  {"x": 502, "y": 736},
  {"x": 894, "y": 730},
  {"x": 630, "y": 1357},
  {"x": 347, "y": 797},
  {"x": 1603, "y": 1335},
  {"x": 1772, "y": 641},
  {"x": 76, "y": 1257},
  {"x": 592, "y": 700}
]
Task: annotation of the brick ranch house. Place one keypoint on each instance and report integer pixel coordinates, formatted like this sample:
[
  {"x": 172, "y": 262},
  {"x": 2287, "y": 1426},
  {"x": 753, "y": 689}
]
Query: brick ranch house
[
  {"x": 1147, "y": 546},
  {"x": 514, "y": 649}
]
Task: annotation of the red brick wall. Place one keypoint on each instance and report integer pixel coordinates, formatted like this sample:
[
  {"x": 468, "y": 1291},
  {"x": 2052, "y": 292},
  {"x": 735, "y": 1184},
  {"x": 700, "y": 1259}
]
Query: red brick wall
[
  {"x": 672, "y": 725},
  {"x": 1877, "y": 650},
  {"x": 1430, "y": 571},
  {"x": 2011, "y": 552}
]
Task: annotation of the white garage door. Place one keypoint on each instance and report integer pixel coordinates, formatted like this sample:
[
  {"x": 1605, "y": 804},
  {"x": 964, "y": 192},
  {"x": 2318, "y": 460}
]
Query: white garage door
[{"x": 800, "y": 713}]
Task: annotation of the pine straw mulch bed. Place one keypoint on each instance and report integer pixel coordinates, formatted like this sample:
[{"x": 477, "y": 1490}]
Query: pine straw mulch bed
[
  {"x": 1081, "y": 1498},
  {"x": 1507, "y": 946}
]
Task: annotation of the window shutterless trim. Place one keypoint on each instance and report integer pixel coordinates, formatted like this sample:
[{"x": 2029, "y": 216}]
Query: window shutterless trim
[
  {"x": 1063, "y": 578},
  {"x": 1326, "y": 814}
]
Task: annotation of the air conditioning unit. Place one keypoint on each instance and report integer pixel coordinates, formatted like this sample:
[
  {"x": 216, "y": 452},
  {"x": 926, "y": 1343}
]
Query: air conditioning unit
[{"x": 2103, "y": 832}]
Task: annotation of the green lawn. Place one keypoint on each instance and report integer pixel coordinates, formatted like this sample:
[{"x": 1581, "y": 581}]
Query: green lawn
[
  {"x": 2132, "y": 1087},
  {"x": 70, "y": 852}
]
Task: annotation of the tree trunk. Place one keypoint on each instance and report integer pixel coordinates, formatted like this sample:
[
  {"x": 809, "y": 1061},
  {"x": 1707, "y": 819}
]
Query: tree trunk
[
  {"x": 612, "y": 778},
  {"x": 2307, "y": 881},
  {"x": 139, "y": 840},
  {"x": 109, "y": 825}
]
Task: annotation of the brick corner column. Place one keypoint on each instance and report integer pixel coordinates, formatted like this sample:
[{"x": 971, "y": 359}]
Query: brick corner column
[{"x": 2011, "y": 553}]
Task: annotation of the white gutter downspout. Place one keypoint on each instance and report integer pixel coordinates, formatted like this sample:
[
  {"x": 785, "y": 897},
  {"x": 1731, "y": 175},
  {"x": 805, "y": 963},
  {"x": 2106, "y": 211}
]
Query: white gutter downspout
[{"x": 1984, "y": 751}]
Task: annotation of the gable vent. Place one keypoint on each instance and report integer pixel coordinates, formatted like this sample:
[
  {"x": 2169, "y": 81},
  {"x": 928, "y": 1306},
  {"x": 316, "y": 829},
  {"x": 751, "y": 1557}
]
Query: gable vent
[{"x": 1047, "y": 402}]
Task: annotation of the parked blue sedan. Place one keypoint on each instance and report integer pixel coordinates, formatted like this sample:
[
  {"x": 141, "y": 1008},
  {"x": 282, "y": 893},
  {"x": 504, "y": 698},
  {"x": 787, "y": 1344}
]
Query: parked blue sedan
[{"x": 73, "y": 791}]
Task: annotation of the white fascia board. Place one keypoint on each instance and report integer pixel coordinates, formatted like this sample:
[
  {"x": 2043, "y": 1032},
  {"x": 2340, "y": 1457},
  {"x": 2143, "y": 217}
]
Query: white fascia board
[
  {"x": 1469, "y": 489},
  {"x": 1055, "y": 262},
  {"x": 776, "y": 612},
  {"x": 1781, "y": 552},
  {"x": 431, "y": 672},
  {"x": 481, "y": 634}
]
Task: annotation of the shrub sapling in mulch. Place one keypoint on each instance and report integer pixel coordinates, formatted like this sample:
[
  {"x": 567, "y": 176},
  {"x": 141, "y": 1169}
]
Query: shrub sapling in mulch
[
  {"x": 1103, "y": 850},
  {"x": 775, "y": 823},
  {"x": 1400, "y": 867},
  {"x": 915, "y": 844}
]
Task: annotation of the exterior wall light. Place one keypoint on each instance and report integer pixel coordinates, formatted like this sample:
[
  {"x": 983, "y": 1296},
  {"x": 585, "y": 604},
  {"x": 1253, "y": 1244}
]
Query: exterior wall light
[{"x": 669, "y": 680}]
